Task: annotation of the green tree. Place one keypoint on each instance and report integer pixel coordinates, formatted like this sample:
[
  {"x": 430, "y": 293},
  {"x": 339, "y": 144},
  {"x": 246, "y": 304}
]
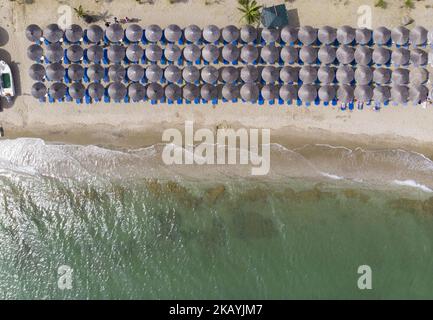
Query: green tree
[
  {"x": 250, "y": 11},
  {"x": 80, "y": 12}
]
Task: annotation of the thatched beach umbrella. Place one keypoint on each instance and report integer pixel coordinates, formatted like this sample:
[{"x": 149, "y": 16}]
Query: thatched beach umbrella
[
  {"x": 153, "y": 33},
  {"x": 74, "y": 33},
  {"x": 229, "y": 74},
  {"x": 289, "y": 54},
  {"x": 289, "y": 74},
  {"x": 382, "y": 76},
  {"x": 116, "y": 73},
  {"x": 191, "y": 52},
  {"x": 173, "y": 92},
  {"x": 57, "y": 90},
  {"x": 153, "y": 53},
  {"x": 418, "y": 36},
  {"x": 173, "y": 74},
  {"x": 39, "y": 90},
  {"x": 308, "y": 74},
  {"x": 154, "y": 91},
  {"x": 250, "y": 92},
  {"x": 399, "y": 94},
  {"x": 54, "y": 52},
  {"x": 363, "y": 55},
  {"x": 134, "y": 32},
  {"x": 270, "y": 54},
  {"x": 381, "y": 35},
  {"x": 327, "y": 54},
  {"x": 172, "y": 52},
  {"x": 381, "y": 94},
  {"x": 270, "y": 92},
  {"x": 116, "y": 53},
  {"x": 134, "y": 52},
  {"x": 230, "y": 91},
  {"x": 210, "y": 53},
  {"x": 249, "y": 74},
  {"x": 114, "y": 33},
  {"x": 363, "y": 75},
  {"x": 307, "y": 35},
  {"x": 136, "y": 92},
  {"x": 52, "y": 33},
  {"x": 418, "y": 93},
  {"x": 154, "y": 73},
  {"x": 230, "y": 34},
  {"x": 308, "y": 54},
  {"x": 363, "y": 93},
  {"x": 37, "y": 72},
  {"x": 400, "y": 76},
  {"x": 418, "y": 57},
  {"x": 307, "y": 93},
  {"x": 94, "y": 33},
  {"x": 76, "y": 90},
  {"x": 381, "y": 55},
  {"x": 95, "y": 72},
  {"x": 75, "y": 72},
  {"x": 327, "y": 35},
  {"x": 346, "y": 35},
  {"x": 326, "y": 74},
  {"x": 418, "y": 76},
  {"x": 248, "y": 34},
  {"x": 209, "y": 92},
  {"x": 270, "y": 74},
  {"x": 55, "y": 72},
  {"x": 345, "y": 74},
  {"x": 190, "y": 92},
  {"x": 327, "y": 93},
  {"x": 230, "y": 53},
  {"x": 33, "y": 33},
  {"x": 270, "y": 35},
  {"x": 249, "y": 53},
  {"x": 192, "y": 33},
  {"x": 345, "y": 93},
  {"x": 74, "y": 53},
  {"x": 35, "y": 52},
  {"x": 117, "y": 91},
  {"x": 400, "y": 35},
  {"x": 173, "y": 33},
  {"x": 400, "y": 56},
  {"x": 209, "y": 74},
  {"x": 363, "y": 36},
  {"x": 136, "y": 72},
  {"x": 345, "y": 54},
  {"x": 95, "y": 53},
  {"x": 289, "y": 34},
  {"x": 191, "y": 74},
  {"x": 95, "y": 90},
  {"x": 288, "y": 92},
  {"x": 211, "y": 33}
]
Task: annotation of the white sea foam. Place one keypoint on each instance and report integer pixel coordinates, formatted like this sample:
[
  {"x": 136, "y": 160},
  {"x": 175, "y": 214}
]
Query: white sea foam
[
  {"x": 413, "y": 184},
  {"x": 332, "y": 176}
]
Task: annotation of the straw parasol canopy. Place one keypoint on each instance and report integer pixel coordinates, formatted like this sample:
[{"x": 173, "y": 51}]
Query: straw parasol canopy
[
  {"x": 381, "y": 35},
  {"x": 327, "y": 35},
  {"x": 39, "y": 90},
  {"x": 345, "y": 54},
  {"x": 400, "y": 76},
  {"x": 345, "y": 93},
  {"x": 33, "y": 32},
  {"x": 270, "y": 35},
  {"x": 418, "y": 57},
  {"x": 154, "y": 91},
  {"x": 114, "y": 32},
  {"x": 400, "y": 56},
  {"x": 94, "y": 33},
  {"x": 37, "y": 72},
  {"x": 173, "y": 92},
  {"x": 363, "y": 75},
  {"x": 55, "y": 72},
  {"x": 418, "y": 76},
  {"x": 289, "y": 34},
  {"x": 270, "y": 74},
  {"x": 307, "y": 92},
  {"x": 346, "y": 35},
  {"x": 399, "y": 94},
  {"x": 153, "y": 33},
  {"x": 249, "y": 74},
  {"x": 229, "y": 74},
  {"x": 308, "y": 54},
  {"x": 74, "y": 53},
  {"x": 382, "y": 76},
  {"x": 57, "y": 90},
  {"x": 116, "y": 53},
  {"x": 153, "y": 53},
  {"x": 172, "y": 33},
  {"x": 250, "y": 92},
  {"x": 381, "y": 55},
  {"x": 191, "y": 74},
  {"x": 35, "y": 52},
  {"x": 190, "y": 92},
  {"x": 288, "y": 92},
  {"x": 172, "y": 74},
  {"x": 191, "y": 52},
  {"x": 307, "y": 35},
  {"x": 209, "y": 74},
  {"x": 230, "y": 91},
  {"x": 209, "y": 92},
  {"x": 249, "y": 53},
  {"x": 134, "y": 52},
  {"x": 326, "y": 74},
  {"x": 400, "y": 35},
  {"x": 327, "y": 93},
  {"x": 418, "y": 36},
  {"x": 327, "y": 54},
  {"x": 270, "y": 92},
  {"x": 136, "y": 92},
  {"x": 116, "y": 73},
  {"x": 134, "y": 32},
  {"x": 270, "y": 53},
  {"x": 289, "y": 54},
  {"x": 76, "y": 90},
  {"x": 117, "y": 91},
  {"x": 210, "y": 53},
  {"x": 230, "y": 33},
  {"x": 76, "y": 72},
  {"x": 154, "y": 73},
  {"x": 418, "y": 93},
  {"x": 192, "y": 33},
  {"x": 211, "y": 33},
  {"x": 381, "y": 94},
  {"x": 363, "y": 55},
  {"x": 230, "y": 52},
  {"x": 54, "y": 52},
  {"x": 95, "y": 53},
  {"x": 363, "y": 93},
  {"x": 136, "y": 72},
  {"x": 172, "y": 52},
  {"x": 345, "y": 74},
  {"x": 248, "y": 34},
  {"x": 289, "y": 74},
  {"x": 308, "y": 74},
  {"x": 363, "y": 36},
  {"x": 74, "y": 33},
  {"x": 95, "y": 72},
  {"x": 52, "y": 33}
]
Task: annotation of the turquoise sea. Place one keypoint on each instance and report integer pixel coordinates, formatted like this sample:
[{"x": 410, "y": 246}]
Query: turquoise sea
[{"x": 129, "y": 227}]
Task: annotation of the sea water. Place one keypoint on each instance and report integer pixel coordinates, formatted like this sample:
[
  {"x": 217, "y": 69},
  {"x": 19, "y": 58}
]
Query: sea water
[{"x": 125, "y": 226}]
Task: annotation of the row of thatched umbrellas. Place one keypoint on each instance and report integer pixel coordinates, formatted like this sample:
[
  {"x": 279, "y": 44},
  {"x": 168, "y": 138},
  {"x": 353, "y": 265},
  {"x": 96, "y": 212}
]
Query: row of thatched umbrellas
[
  {"x": 248, "y": 92},
  {"x": 305, "y": 35},
  {"x": 344, "y": 74}
]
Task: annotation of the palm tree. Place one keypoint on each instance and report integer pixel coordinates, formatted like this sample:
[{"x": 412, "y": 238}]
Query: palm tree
[
  {"x": 80, "y": 12},
  {"x": 250, "y": 10}
]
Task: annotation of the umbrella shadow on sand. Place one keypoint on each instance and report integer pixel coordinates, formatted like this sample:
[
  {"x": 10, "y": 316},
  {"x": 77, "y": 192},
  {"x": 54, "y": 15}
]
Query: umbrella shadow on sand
[{"x": 4, "y": 36}]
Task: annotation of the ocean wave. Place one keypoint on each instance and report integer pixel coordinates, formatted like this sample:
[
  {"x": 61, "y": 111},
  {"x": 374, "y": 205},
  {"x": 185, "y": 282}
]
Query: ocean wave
[{"x": 413, "y": 184}]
